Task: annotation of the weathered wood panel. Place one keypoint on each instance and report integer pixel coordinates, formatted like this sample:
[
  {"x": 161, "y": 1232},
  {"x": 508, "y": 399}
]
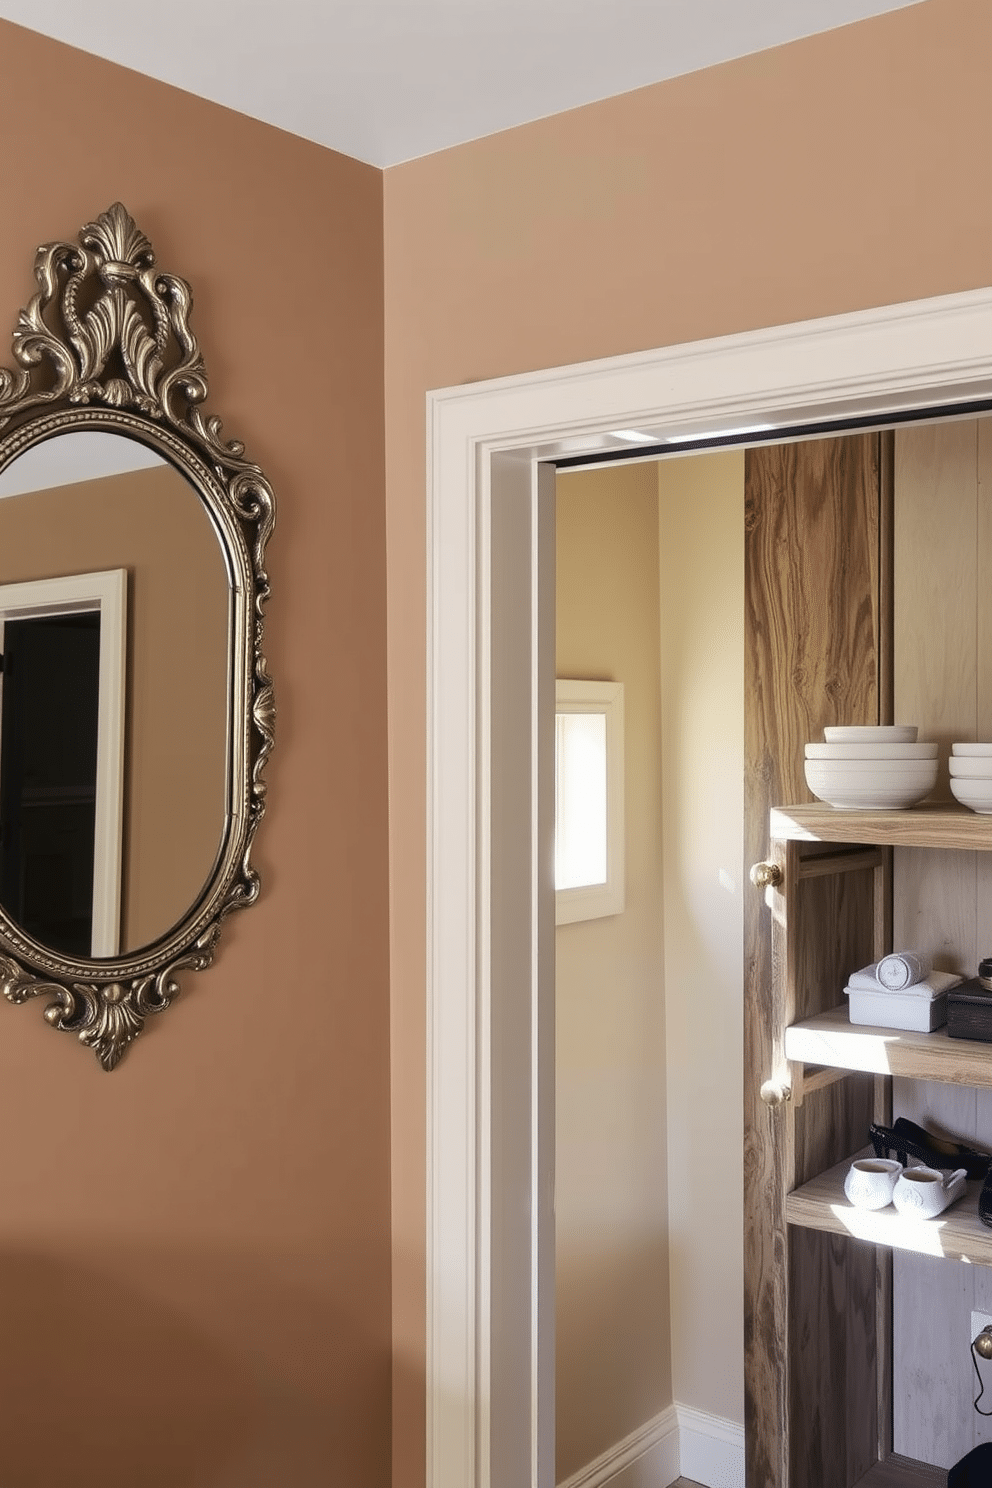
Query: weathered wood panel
[
  {"x": 835, "y": 937},
  {"x": 983, "y": 595},
  {"x": 832, "y": 1358},
  {"x": 832, "y": 1290},
  {"x": 936, "y": 570},
  {"x": 812, "y": 622},
  {"x": 942, "y": 900}
]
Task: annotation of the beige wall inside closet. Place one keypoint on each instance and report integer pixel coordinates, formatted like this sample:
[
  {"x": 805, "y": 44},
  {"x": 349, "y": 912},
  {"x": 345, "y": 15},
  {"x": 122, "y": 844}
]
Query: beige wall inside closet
[{"x": 648, "y": 1135}]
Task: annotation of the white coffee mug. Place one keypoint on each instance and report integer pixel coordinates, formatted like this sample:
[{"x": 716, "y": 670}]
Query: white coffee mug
[
  {"x": 870, "y": 1181},
  {"x": 920, "y": 1193}
]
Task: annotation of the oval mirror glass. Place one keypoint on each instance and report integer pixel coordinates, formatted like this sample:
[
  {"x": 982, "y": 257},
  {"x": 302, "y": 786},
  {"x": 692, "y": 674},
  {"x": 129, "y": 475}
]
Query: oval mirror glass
[{"x": 115, "y": 624}]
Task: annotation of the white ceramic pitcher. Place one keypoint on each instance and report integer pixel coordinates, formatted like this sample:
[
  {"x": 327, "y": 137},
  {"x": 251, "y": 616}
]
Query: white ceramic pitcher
[
  {"x": 871, "y": 1180},
  {"x": 920, "y": 1193}
]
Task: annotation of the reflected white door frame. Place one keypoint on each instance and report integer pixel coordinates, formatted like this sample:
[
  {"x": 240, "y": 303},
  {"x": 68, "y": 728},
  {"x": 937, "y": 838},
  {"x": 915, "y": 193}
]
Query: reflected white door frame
[{"x": 490, "y": 975}]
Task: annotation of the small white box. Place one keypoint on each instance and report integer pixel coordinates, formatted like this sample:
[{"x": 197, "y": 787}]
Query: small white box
[{"x": 914, "y": 1008}]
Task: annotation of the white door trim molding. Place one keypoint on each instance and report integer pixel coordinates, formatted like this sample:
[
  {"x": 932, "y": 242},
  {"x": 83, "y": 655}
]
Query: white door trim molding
[{"x": 485, "y": 441}]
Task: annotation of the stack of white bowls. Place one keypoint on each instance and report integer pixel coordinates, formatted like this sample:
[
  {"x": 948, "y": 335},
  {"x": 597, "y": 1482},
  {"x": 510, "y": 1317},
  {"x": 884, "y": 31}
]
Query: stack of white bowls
[
  {"x": 971, "y": 776},
  {"x": 872, "y": 767}
]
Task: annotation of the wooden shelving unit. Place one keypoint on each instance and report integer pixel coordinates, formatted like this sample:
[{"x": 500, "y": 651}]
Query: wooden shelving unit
[{"x": 829, "y": 904}]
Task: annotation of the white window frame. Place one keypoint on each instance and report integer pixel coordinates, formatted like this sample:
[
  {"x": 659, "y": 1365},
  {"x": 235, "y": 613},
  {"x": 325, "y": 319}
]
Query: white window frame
[
  {"x": 105, "y": 592},
  {"x": 594, "y": 901}
]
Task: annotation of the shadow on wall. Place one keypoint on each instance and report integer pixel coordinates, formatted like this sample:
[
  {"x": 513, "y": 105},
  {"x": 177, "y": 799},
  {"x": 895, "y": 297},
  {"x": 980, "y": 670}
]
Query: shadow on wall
[
  {"x": 105, "y": 1384},
  {"x": 608, "y": 1368}
]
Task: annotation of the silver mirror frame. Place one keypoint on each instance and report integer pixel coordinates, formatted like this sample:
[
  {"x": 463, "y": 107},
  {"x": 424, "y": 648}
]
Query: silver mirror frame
[{"x": 128, "y": 363}]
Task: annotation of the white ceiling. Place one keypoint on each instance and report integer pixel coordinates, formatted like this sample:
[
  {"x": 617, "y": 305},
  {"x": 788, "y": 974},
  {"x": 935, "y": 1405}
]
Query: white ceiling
[
  {"x": 389, "y": 80},
  {"x": 68, "y": 458}
]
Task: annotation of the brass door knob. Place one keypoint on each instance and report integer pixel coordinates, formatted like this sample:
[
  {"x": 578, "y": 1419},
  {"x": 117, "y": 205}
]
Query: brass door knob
[{"x": 766, "y": 875}]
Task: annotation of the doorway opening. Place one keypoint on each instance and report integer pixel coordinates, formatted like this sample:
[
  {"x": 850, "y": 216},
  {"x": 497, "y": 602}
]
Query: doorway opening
[{"x": 490, "y": 1278}]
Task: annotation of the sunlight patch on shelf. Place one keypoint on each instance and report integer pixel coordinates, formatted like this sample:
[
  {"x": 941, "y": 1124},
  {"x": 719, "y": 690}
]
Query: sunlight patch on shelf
[
  {"x": 851, "y": 1048},
  {"x": 881, "y": 1227}
]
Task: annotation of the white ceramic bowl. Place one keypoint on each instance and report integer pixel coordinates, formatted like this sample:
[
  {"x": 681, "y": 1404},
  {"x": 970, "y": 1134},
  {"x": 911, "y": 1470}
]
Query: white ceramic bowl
[
  {"x": 972, "y": 751},
  {"x": 865, "y": 771},
  {"x": 867, "y": 733},
  {"x": 885, "y": 785},
  {"x": 871, "y": 752},
  {"x": 974, "y": 793},
  {"x": 870, "y": 798},
  {"x": 971, "y": 767}
]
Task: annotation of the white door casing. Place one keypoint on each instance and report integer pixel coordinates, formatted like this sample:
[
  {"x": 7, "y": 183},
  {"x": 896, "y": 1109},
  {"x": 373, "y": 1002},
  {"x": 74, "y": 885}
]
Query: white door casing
[{"x": 490, "y": 888}]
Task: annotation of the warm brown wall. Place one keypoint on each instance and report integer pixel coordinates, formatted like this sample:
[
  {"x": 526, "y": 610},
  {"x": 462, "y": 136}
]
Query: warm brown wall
[
  {"x": 612, "y": 1334},
  {"x": 836, "y": 173},
  {"x": 153, "y": 524},
  {"x": 194, "y": 1250}
]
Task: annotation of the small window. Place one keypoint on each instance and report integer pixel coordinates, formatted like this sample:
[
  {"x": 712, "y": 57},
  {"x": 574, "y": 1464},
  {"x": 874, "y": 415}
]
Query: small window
[{"x": 589, "y": 845}]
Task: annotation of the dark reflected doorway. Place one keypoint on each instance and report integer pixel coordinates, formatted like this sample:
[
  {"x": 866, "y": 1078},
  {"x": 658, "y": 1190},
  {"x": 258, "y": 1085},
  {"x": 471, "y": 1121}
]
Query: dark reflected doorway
[{"x": 48, "y": 757}]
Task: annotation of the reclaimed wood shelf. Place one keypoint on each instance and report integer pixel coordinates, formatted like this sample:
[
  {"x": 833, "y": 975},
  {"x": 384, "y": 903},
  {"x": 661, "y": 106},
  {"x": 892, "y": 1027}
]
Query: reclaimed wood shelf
[
  {"x": 831, "y": 1039},
  {"x": 956, "y": 1235},
  {"x": 903, "y": 1472},
  {"x": 941, "y": 826}
]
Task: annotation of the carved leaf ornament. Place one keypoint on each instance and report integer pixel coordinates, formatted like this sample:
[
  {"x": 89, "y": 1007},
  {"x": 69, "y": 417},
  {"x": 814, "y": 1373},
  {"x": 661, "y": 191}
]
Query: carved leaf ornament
[{"x": 106, "y": 343}]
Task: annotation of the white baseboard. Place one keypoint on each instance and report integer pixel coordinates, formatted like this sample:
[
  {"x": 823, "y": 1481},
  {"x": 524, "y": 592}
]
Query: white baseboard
[
  {"x": 711, "y": 1450},
  {"x": 679, "y": 1442},
  {"x": 647, "y": 1458}
]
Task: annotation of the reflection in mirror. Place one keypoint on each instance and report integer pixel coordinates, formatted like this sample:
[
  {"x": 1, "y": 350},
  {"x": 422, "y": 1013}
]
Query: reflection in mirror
[
  {"x": 81, "y": 505},
  {"x": 48, "y": 747},
  {"x": 61, "y": 759}
]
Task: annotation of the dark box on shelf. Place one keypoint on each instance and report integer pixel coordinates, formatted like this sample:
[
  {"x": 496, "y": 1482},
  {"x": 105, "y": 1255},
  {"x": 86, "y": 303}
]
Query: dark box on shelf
[{"x": 969, "y": 1011}]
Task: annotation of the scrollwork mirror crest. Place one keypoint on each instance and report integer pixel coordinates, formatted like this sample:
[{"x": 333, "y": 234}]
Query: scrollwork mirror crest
[{"x": 105, "y": 346}]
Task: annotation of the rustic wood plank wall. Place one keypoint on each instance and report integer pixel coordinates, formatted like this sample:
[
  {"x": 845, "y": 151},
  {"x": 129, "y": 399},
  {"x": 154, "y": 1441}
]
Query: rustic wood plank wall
[
  {"x": 942, "y": 902},
  {"x": 811, "y": 658}
]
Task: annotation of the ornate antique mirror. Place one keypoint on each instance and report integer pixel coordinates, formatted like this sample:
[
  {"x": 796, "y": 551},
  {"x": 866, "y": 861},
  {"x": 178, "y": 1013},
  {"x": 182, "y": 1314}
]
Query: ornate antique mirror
[{"x": 136, "y": 711}]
